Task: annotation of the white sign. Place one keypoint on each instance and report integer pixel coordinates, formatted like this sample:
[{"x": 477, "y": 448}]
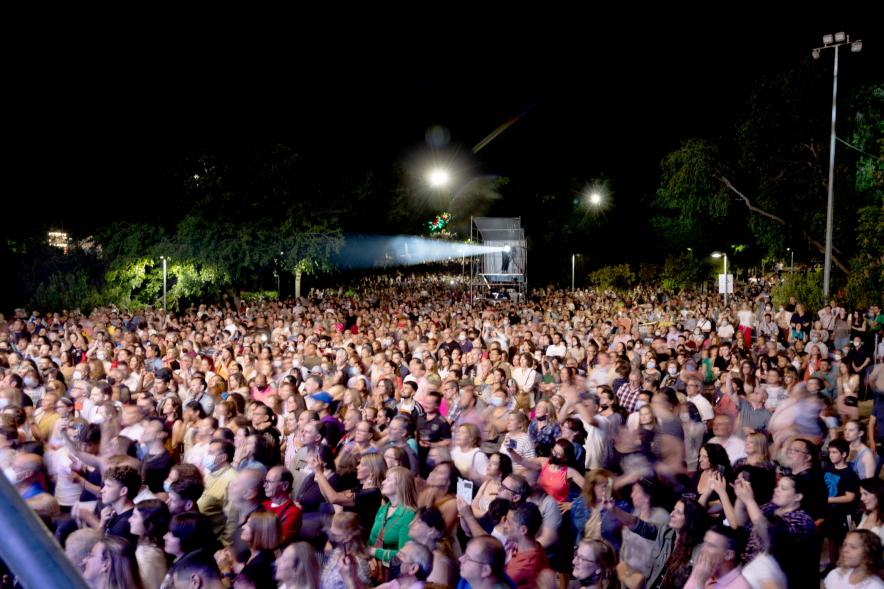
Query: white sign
[{"x": 730, "y": 284}]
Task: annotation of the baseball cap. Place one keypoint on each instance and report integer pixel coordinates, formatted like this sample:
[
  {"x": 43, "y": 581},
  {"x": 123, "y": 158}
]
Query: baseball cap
[{"x": 322, "y": 397}]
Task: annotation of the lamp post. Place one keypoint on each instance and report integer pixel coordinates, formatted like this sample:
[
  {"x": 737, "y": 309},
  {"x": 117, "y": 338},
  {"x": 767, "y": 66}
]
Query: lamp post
[
  {"x": 792, "y": 261},
  {"x": 723, "y": 255},
  {"x": 833, "y": 41},
  {"x": 165, "y": 260},
  {"x": 573, "y": 256}
]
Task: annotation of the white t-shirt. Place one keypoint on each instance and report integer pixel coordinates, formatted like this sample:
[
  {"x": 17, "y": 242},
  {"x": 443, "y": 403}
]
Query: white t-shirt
[
  {"x": 840, "y": 579},
  {"x": 764, "y": 568},
  {"x": 703, "y": 406},
  {"x": 473, "y": 461}
]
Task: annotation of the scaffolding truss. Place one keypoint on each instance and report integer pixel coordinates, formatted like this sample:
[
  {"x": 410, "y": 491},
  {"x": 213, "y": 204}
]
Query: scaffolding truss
[{"x": 502, "y": 271}]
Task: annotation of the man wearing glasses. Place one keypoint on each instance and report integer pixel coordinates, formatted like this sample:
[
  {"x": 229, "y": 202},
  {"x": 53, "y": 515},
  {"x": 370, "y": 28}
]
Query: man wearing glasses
[
  {"x": 801, "y": 457},
  {"x": 482, "y": 563},
  {"x": 415, "y": 562}
]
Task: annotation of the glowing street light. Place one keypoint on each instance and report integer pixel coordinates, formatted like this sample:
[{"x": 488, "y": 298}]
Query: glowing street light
[
  {"x": 438, "y": 177},
  {"x": 595, "y": 199},
  {"x": 723, "y": 255},
  {"x": 833, "y": 41}
]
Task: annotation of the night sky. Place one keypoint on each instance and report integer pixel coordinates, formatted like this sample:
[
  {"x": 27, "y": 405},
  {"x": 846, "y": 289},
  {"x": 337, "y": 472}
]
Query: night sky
[{"x": 102, "y": 130}]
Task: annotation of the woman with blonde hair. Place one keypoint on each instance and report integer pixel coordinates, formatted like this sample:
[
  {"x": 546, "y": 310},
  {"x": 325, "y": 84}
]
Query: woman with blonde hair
[
  {"x": 345, "y": 536},
  {"x": 111, "y": 565},
  {"x": 261, "y": 534},
  {"x": 469, "y": 459},
  {"x": 298, "y": 566},
  {"x": 390, "y": 530},
  {"x": 365, "y": 499}
]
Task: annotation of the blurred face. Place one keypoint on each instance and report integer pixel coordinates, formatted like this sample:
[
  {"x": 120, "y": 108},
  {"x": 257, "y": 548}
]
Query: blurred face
[
  {"x": 472, "y": 563},
  {"x": 513, "y": 424},
  {"x": 835, "y": 456},
  {"x": 721, "y": 427},
  {"x": 677, "y": 518},
  {"x": 439, "y": 476},
  {"x": 493, "y": 469},
  {"x": 785, "y": 495},
  {"x": 506, "y": 489},
  {"x": 852, "y": 552},
  {"x": 852, "y": 432},
  {"x": 751, "y": 448},
  {"x": 797, "y": 455},
  {"x": 389, "y": 486},
  {"x": 136, "y": 523},
  {"x": 172, "y": 544},
  {"x": 111, "y": 491},
  {"x": 94, "y": 565},
  {"x": 584, "y": 562},
  {"x": 462, "y": 437},
  {"x": 869, "y": 500},
  {"x": 715, "y": 548},
  {"x": 390, "y": 459},
  {"x": 645, "y": 415}
]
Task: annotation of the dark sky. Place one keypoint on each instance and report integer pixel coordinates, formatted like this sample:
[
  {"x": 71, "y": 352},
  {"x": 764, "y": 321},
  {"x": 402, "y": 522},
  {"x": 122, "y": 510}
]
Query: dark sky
[{"x": 98, "y": 128}]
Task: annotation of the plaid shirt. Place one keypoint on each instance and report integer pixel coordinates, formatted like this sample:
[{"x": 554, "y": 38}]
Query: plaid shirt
[{"x": 627, "y": 397}]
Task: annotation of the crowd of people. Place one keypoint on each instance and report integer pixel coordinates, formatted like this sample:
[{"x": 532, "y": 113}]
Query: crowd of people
[{"x": 398, "y": 435}]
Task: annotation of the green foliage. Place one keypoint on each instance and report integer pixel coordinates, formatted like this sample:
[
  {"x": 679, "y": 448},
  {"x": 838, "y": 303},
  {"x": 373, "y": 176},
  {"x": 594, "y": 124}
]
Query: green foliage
[
  {"x": 260, "y": 295},
  {"x": 806, "y": 287},
  {"x": 865, "y": 285},
  {"x": 618, "y": 277},
  {"x": 69, "y": 290},
  {"x": 681, "y": 271}
]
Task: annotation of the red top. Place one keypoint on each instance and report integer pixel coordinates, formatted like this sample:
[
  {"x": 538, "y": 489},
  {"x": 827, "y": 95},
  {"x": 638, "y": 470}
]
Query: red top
[
  {"x": 555, "y": 483},
  {"x": 289, "y": 516}
]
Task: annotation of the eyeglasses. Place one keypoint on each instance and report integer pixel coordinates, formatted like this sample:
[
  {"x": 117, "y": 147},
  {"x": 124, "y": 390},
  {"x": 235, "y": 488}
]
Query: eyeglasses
[
  {"x": 478, "y": 562},
  {"x": 586, "y": 560},
  {"x": 796, "y": 451},
  {"x": 504, "y": 487}
]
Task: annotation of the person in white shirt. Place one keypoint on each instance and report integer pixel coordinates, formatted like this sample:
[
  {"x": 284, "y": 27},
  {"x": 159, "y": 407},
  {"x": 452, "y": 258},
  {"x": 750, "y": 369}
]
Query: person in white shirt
[
  {"x": 693, "y": 390},
  {"x": 723, "y": 428},
  {"x": 859, "y": 563}
]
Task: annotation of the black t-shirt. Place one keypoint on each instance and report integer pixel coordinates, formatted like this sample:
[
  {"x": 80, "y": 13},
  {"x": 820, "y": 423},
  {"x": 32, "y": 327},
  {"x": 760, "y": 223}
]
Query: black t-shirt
[
  {"x": 366, "y": 505},
  {"x": 118, "y": 525},
  {"x": 816, "y": 503},
  {"x": 839, "y": 482},
  {"x": 433, "y": 430}
]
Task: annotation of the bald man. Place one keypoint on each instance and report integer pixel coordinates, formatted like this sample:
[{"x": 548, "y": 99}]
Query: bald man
[{"x": 244, "y": 496}]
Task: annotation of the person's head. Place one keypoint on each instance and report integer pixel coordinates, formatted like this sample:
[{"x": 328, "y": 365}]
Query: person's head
[
  {"x": 789, "y": 493},
  {"x": 371, "y": 469},
  {"x": 643, "y": 493},
  {"x": 853, "y": 432},
  {"x": 721, "y": 544},
  {"x": 278, "y": 483},
  {"x": 516, "y": 422},
  {"x": 414, "y": 560},
  {"x": 79, "y": 544},
  {"x": 595, "y": 563},
  {"x": 120, "y": 486},
  {"x": 111, "y": 564},
  {"x": 427, "y": 527},
  {"x": 184, "y": 493},
  {"x": 573, "y": 430},
  {"x": 244, "y": 491},
  {"x": 562, "y": 453},
  {"x": 298, "y": 566},
  {"x": 444, "y": 477},
  {"x": 467, "y": 436},
  {"x": 483, "y": 561},
  {"x": 514, "y": 489},
  {"x": 345, "y": 528},
  {"x": 195, "y": 571},
  {"x": 757, "y": 444},
  {"x": 713, "y": 456},
  {"x": 861, "y": 550},
  {"x": 522, "y": 522},
  {"x": 396, "y": 456},
  {"x": 723, "y": 426},
  {"x": 801, "y": 454},
  {"x": 150, "y": 521},
  {"x": 838, "y": 451},
  {"x": 687, "y": 515},
  {"x": 261, "y": 531},
  {"x": 596, "y": 485},
  {"x": 500, "y": 466},
  {"x": 220, "y": 453},
  {"x": 871, "y": 496},
  {"x": 187, "y": 532},
  {"x": 399, "y": 484}
]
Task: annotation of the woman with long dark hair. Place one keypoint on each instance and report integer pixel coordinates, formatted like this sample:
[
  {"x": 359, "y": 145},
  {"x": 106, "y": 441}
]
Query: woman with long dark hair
[
  {"x": 150, "y": 522},
  {"x": 674, "y": 543}
]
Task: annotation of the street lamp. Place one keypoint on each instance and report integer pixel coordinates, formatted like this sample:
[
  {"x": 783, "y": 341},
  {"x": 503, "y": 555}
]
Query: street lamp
[
  {"x": 792, "y": 262},
  {"x": 573, "y": 257},
  {"x": 833, "y": 41},
  {"x": 723, "y": 255},
  {"x": 164, "y": 259},
  {"x": 438, "y": 177}
]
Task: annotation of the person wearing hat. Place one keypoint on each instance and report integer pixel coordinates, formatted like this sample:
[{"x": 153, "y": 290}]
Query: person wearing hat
[{"x": 332, "y": 428}]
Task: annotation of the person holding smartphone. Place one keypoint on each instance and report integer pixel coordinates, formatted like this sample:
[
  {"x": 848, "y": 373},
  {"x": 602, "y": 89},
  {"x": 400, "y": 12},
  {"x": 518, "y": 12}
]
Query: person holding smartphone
[{"x": 517, "y": 438}]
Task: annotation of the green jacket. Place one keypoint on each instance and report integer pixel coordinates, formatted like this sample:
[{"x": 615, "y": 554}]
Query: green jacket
[{"x": 395, "y": 531}]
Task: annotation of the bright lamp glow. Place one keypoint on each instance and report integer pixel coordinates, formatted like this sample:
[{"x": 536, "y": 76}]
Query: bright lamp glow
[
  {"x": 856, "y": 46},
  {"x": 717, "y": 254},
  {"x": 840, "y": 37},
  {"x": 595, "y": 198},
  {"x": 438, "y": 178},
  {"x": 507, "y": 249},
  {"x": 828, "y": 39}
]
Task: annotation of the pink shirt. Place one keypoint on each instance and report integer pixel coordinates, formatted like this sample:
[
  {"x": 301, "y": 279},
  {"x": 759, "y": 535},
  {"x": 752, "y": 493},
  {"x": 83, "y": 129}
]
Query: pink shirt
[{"x": 732, "y": 580}]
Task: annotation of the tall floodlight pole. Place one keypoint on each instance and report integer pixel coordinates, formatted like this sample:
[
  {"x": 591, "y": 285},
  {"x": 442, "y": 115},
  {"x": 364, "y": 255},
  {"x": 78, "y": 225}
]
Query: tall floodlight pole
[{"x": 829, "y": 42}]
